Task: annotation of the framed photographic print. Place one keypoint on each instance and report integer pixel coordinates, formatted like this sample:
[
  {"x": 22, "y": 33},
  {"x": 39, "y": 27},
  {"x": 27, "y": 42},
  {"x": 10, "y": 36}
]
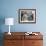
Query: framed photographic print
[{"x": 27, "y": 15}]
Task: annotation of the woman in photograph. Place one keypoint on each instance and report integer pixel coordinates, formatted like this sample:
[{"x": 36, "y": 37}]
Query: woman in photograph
[{"x": 24, "y": 16}]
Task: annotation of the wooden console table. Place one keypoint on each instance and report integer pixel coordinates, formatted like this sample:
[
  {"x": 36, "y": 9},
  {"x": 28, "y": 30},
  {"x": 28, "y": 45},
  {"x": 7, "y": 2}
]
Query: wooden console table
[{"x": 20, "y": 39}]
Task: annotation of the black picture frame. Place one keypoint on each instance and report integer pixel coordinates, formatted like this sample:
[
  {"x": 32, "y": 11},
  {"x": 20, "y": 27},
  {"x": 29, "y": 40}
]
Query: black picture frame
[{"x": 27, "y": 16}]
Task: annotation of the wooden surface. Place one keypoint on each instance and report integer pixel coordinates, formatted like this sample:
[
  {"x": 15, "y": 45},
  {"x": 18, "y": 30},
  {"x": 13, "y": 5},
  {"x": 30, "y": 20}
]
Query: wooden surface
[
  {"x": 20, "y": 39},
  {"x": 33, "y": 43}
]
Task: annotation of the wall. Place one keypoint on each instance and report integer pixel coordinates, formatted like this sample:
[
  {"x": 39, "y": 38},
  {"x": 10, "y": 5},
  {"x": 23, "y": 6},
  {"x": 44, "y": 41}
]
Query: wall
[{"x": 9, "y": 8}]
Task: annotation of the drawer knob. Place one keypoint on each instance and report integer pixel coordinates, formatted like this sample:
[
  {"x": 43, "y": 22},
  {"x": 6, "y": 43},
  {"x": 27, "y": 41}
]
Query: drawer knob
[{"x": 33, "y": 42}]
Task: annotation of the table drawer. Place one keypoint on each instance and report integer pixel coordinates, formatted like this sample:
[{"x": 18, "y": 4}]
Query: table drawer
[
  {"x": 16, "y": 37},
  {"x": 9, "y": 43},
  {"x": 34, "y": 37},
  {"x": 33, "y": 43},
  {"x": 13, "y": 43}
]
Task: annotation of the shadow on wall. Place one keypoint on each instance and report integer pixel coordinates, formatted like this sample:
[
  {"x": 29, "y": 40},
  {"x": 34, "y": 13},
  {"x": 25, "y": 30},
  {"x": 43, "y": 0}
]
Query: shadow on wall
[{"x": 2, "y": 21}]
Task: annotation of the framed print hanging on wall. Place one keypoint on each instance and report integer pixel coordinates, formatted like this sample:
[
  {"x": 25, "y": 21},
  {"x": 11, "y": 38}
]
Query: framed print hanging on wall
[{"x": 27, "y": 15}]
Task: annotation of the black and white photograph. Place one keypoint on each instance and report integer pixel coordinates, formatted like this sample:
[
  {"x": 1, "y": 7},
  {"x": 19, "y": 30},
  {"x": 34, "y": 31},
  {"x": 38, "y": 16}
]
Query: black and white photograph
[{"x": 27, "y": 15}]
